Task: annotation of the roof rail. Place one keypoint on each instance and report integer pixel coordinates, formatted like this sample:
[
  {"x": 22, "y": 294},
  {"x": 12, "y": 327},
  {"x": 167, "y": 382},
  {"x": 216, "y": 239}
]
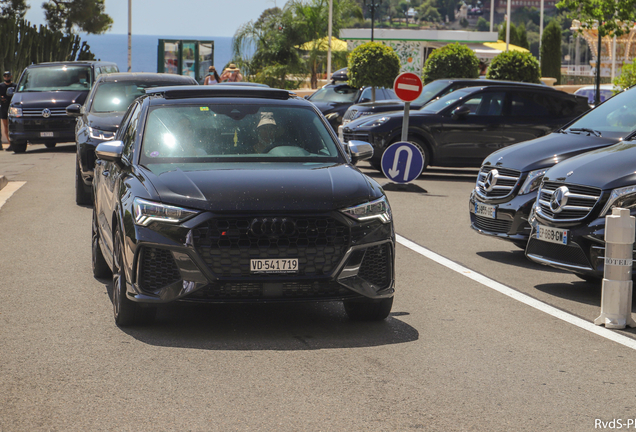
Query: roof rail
[{"x": 190, "y": 92}]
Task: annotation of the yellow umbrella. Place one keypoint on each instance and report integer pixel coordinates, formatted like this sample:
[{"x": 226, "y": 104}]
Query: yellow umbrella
[
  {"x": 322, "y": 44},
  {"x": 501, "y": 46}
]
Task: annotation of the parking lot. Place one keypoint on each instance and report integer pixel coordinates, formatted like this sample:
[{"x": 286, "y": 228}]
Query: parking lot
[{"x": 462, "y": 350}]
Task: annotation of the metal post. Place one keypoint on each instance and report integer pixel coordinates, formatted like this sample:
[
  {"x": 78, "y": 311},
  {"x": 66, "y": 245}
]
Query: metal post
[
  {"x": 492, "y": 14},
  {"x": 372, "y": 19},
  {"x": 508, "y": 23},
  {"x": 405, "y": 121},
  {"x": 329, "y": 41},
  {"x": 540, "y": 30},
  {"x": 616, "y": 297},
  {"x": 613, "y": 57},
  {"x": 129, "y": 35},
  {"x": 597, "y": 98}
]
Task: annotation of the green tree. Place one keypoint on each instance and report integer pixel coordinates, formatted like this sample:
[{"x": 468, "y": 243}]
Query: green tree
[
  {"x": 522, "y": 37},
  {"x": 627, "y": 78},
  {"x": 451, "y": 61},
  {"x": 447, "y": 8},
  {"x": 551, "y": 51},
  {"x": 373, "y": 64},
  {"x": 427, "y": 11},
  {"x": 13, "y": 8},
  {"x": 514, "y": 66},
  {"x": 483, "y": 25},
  {"x": 514, "y": 40},
  {"x": 71, "y": 16}
]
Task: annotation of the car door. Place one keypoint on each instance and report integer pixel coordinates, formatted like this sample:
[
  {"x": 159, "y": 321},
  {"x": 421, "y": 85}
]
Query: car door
[
  {"x": 467, "y": 140},
  {"x": 530, "y": 115}
]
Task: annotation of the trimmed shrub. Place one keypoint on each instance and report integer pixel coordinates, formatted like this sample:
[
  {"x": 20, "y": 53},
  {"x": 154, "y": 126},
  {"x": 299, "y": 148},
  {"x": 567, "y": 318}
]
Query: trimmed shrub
[
  {"x": 627, "y": 78},
  {"x": 515, "y": 66},
  {"x": 373, "y": 64},
  {"x": 551, "y": 51},
  {"x": 451, "y": 61}
]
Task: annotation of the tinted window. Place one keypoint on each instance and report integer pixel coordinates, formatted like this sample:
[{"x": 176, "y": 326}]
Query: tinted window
[
  {"x": 430, "y": 90},
  {"x": 530, "y": 105},
  {"x": 235, "y": 132},
  {"x": 486, "y": 104},
  {"x": 437, "y": 105},
  {"x": 117, "y": 96},
  {"x": 56, "y": 78},
  {"x": 343, "y": 93},
  {"x": 617, "y": 114},
  {"x": 131, "y": 130}
]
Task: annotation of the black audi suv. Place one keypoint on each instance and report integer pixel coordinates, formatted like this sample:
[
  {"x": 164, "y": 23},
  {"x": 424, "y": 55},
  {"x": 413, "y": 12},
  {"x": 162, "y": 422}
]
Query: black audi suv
[
  {"x": 228, "y": 194},
  {"x": 507, "y": 183},
  {"x": 99, "y": 117},
  {"x": 465, "y": 126}
]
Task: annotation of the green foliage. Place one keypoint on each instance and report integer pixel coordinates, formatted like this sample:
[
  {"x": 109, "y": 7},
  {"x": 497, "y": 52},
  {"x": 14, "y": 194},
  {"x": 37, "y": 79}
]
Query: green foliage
[
  {"x": 463, "y": 22},
  {"x": 514, "y": 66},
  {"x": 612, "y": 14},
  {"x": 24, "y": 44},
  {"x": 427, "y": 11},
  {"x": 627, "y": 78},
  {"x": 483, "y": 25},
  {"x": 13, "y": 8},
  {"x": 77, "y": 15},
  {"x": 522, "y": 37},
  {"x": 373, "y": 64},
  {"x": 514, "y": 39},
  {"x": 451, "y": 61},
  {"x": 551, "y": 51}
]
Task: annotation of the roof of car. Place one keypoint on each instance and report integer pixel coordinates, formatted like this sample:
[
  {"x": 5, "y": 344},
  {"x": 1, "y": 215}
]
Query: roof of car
[
  {"x": 490, "y": 81},
  {"x": 507, "y": 86},
  {"x": 193, "y": 92},
  {"x": 71, "y": 63},
  {"x": 144, "y": 76}
]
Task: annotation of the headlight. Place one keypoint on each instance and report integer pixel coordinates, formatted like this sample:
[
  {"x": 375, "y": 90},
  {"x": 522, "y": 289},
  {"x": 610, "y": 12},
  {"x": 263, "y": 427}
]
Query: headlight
[
  {"x": 362, "y": 114},
  {"x": 378, "y": 209},
  {"x": 622, "y": 197},
  {"x": 100, "y": 134},
  {"x": 15, "y": 112},
  {"x": 533, "y": 181},
  {"x": 149, "y": 211},
  {"x": 376, "y": 122}
]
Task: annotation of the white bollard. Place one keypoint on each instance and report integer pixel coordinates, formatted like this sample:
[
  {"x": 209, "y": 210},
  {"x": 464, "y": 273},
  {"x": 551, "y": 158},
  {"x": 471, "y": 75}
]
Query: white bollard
[{"x": 616, "y": 299}]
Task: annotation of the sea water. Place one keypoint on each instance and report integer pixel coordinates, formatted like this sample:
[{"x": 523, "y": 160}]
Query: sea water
[{"x": 114, "y": 47}]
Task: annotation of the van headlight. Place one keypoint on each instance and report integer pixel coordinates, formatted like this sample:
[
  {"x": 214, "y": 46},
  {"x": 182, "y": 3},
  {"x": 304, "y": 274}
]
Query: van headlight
[
  {"x": 147, "y": 212},
  {"x": 624, "y": 197},
  {"x": 533, "y": 181},
  {"x": 15, "y": 112},
  {"x": 378, "y": 209}
]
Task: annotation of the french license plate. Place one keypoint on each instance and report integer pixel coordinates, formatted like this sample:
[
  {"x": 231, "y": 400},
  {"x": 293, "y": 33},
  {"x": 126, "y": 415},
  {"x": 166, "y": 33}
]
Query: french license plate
[
  {"x": 286, "y": 265},
  {"x": 552, "y": 235},
  {"x": 46, "y": 134},
  {"x": 485, "y": 210}
]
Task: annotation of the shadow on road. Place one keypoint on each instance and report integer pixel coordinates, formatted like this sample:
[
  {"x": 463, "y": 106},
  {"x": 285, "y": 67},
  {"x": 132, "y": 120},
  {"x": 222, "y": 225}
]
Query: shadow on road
[
  {"x": 38, "y": 149},
  {"x": 516, "y": 258},
  {"x": 468, "y": 175}
]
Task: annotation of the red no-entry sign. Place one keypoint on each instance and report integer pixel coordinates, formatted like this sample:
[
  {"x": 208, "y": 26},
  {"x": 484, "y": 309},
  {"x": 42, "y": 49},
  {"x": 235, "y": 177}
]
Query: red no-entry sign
[{"x": 407, "y": 86}]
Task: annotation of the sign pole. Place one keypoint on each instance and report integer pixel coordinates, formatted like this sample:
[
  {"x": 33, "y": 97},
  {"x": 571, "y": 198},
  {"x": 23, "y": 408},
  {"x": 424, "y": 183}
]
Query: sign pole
[{"x": 405, "y": 122}]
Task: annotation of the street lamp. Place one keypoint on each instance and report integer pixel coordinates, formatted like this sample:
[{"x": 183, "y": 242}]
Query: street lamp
[{"x": 372, "y": 4}]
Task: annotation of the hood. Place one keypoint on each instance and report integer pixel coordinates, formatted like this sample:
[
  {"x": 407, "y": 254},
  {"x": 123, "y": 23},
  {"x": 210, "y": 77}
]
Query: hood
[
  {"x": 607, "y": 168},
  {"x": 394, "y": 104},
  {"x": 262, "y": 186},
  {"x": 546, "y": 151},
  {"x": 108, "y": 122},
  {"x": 52, "y": 99}
]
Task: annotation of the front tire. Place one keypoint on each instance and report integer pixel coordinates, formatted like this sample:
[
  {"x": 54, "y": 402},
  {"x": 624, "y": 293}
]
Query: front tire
[
  {"x": 50, "y": 145},
  {"x": 19, "y": 146},
  {"x": 368, "y": 310},
  {"x": 83, "y": 194}
]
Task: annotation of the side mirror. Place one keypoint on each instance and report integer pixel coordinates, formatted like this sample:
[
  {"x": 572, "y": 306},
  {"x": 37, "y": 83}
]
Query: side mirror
[
  {"x": 10, "y": 91},
  {"x": 110, "y": 151},
  {"x": 360, "y": 150},
  {"x": 460, "y": 112},
  {"x": 74, "y": 110},
  {"x": 306, "y": 97}
]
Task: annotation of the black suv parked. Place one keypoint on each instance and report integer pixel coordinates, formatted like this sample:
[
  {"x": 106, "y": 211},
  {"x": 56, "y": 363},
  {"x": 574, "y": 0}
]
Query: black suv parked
[
  {"x": 509, "y": 178},
  {"x": 38, "y": 109},
  {"x": 226, "y": 194},
  {"x": 98, "y": 119},
  {"x": 465, "y": 126}
]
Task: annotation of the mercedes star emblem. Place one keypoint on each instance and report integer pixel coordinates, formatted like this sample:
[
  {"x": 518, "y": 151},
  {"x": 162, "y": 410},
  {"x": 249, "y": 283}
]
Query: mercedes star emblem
[
  {"x": 491, "y": 180},
  {"x": 559, "y": 199}
]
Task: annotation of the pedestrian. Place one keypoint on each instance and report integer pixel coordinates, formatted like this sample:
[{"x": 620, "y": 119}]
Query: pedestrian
[
  {"x": 232, "y": 74},
  {"x": 213, "y": 77},
  {"x": 4, "y": 105}
]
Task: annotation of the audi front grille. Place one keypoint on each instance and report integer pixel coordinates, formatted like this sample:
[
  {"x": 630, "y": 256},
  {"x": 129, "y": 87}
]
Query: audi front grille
[
  {"x": 579, "y": 201},
  {"x": 496, "y": 182}
]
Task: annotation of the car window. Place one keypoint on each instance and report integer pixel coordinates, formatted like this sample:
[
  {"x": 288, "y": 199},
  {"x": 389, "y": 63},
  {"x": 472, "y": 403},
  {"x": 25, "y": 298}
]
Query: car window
[
  {"x": 366, "y": 93},
  {"x": 486, "y": 104},
  {"x": 235, "y": 132},
  {"x": 55, "y": 78},
  {"x": 525, "y": 104},
  {"x": 342, "y": 94},
  {"x": 429, "y": 91},
  {"x": 117, "y": 96},
  {"x": 438, "y": 105},
  {"x": 131, "y": 130},
  {"x": 617, "y": 114}
]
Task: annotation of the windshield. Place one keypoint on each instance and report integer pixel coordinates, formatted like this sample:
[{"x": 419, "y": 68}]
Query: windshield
[
  {"x": 429, "y": 91},
  {"x": 214, "y": 133},
  {"x": 616, "y": 116},
  {"x": 117, "y": 96},
  {"x": 342, "y": 94},
  {"x": 53, "y": 78},
  {"x": 446, "y": 100}
]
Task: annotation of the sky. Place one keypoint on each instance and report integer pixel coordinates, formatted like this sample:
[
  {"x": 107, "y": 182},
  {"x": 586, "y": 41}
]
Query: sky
[{"x": 200, "y": 18}]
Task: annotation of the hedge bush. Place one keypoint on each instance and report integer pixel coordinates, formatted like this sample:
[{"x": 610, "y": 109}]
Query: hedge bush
[
  {"x": 515, "y": 66},
  {"x": 373, "y": 64},
  {"x": 451, "y": 61},
  {"x": 627, "y": 78}
]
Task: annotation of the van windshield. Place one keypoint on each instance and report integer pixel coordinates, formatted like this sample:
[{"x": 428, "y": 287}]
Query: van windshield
[{"x": 53, "y": 78}]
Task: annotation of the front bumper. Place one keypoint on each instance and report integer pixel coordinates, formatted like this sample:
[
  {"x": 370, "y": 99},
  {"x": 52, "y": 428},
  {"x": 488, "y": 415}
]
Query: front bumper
[
  {"x": 41, "y": 130},
  {"x": 196, "y": 262},
  {"x": 511, "y": 221}
]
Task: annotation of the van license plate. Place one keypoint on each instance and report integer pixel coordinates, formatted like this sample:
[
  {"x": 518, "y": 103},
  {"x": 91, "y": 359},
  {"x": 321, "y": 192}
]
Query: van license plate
[
  {"x": 284, "y": 265},
  {"x": 485, "y": 210},
  {"x": 552, "y": 235}
]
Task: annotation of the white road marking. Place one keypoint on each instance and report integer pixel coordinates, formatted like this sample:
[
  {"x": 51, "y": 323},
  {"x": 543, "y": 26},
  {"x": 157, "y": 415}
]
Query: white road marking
[
  {"x": 410, "y": 87},
  {"x": 523, "y": 298},
  {"x": 8, "y": 190}
]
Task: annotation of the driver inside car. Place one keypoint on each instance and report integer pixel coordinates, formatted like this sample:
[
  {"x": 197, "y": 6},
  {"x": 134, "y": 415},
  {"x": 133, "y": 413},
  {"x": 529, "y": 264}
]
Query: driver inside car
[{"x": 268, "y": 133}]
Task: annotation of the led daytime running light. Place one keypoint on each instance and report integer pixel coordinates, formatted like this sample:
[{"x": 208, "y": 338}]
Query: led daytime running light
[
  {"x": 615, "y": 196},
  {"x": 533, "y": 181},
  {"x": 378, "y": 209},
  {"x": 147, "y": 212}
]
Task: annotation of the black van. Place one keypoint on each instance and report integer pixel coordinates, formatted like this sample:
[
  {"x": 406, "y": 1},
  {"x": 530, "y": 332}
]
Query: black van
[{"x": 38, "y": 109}]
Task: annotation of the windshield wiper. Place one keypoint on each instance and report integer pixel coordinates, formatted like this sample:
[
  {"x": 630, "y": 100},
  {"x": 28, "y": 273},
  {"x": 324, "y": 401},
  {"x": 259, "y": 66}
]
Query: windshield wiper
[{"x": 591, "y": 131}]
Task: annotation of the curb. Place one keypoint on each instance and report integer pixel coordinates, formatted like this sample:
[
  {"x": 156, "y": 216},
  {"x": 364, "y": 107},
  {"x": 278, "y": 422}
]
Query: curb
[{"x": 3, "y": 181}]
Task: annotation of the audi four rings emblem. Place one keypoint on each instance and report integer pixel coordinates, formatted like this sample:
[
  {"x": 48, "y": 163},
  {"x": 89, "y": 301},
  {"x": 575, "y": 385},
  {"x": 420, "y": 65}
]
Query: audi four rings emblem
[
  {"x": 46, "y": 113},
  {"x": 491, "y": 180},
  {"x": 272, "y": 227},
  {"x": 559, "y": 199}
]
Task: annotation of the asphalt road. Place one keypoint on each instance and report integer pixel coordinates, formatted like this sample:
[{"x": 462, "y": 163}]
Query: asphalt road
[{"x": 455, "y": 355}]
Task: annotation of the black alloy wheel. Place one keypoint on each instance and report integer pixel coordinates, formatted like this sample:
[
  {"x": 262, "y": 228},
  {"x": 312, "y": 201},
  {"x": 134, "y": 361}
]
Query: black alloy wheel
[
  {"x": 368, "y": 310},
  {"x": 83, "y": 193},
  {"x": 126, "y": 311},
  {"x": 99, "y": 264},
  {"x": 19, "y": 146}
]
